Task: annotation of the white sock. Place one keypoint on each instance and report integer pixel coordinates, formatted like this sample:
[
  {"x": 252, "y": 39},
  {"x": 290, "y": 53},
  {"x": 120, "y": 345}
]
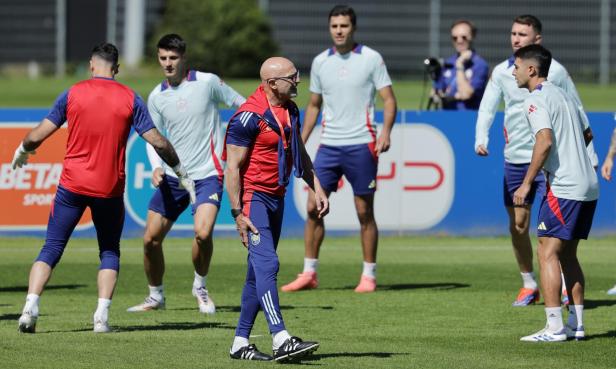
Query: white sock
[
  {"x": 238, "y": 343},
  {"x": 576, "y": 316},
  {"x": 369, "y": 270},
  {"x": 554, "y": 317},
  {"x": 310, "y": 265},
  {"x": 32, "y": 304},
  {"x": 563, "y": 284},
  {"x": 199, "y": 281},
  {"x": 102, "y": 310},
  {"x": 529, "y": 280},
  {"x": 157, "y": 293},
  {"x": 279, "y": 338}
]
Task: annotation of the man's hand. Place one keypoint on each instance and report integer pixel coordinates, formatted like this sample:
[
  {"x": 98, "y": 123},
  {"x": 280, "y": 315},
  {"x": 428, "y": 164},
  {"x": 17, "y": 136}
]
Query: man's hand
[
  {"x": 157, "y": 176},
  {"x": 519, "y": 196},
  {"x": 189, "y": 185},
  {"x": 243, "y": 225},
  {"x": 481, "y": 150},
  {"x": 606, "y": 168},
  {"x": 463, "y": 58},
  {"x": 20, "y": 158},
  {"x": 322, "y": 202},
  {"x": 382, "y": 144}
]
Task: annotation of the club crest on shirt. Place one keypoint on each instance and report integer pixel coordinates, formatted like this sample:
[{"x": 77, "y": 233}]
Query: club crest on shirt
[
  {"x": 255, "y": 238},
  {"x": 182, "y": 104}
]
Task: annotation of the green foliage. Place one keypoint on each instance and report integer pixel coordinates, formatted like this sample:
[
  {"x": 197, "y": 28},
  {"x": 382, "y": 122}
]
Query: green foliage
[{"x": 229, "y": 38}]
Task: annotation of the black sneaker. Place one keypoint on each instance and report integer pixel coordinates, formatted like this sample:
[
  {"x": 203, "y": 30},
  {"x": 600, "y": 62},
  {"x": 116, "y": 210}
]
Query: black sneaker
[
  {"x": 294, "y": 348},
  {"x": 250, "y": 352}
]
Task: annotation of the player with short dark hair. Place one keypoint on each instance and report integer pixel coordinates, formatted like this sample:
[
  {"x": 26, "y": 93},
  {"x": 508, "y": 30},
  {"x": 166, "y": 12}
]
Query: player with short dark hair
[
  {"x": 344, "y": 80},
  {"x": 525, "y": 30},
  {"x": 263, "y": 145},
  {"x": 100, "y": 113},
  {"x": 185, "y": 108},
  {"x": 567, "y": 209}
]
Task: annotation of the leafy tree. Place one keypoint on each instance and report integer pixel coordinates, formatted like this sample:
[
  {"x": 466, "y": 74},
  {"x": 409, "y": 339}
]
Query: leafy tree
[{"x": 229, "y": 38}]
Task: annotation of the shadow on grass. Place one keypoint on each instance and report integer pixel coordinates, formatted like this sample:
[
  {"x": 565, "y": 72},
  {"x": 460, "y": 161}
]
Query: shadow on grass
[
  {"x": 378, "y": 355},
  {"x": 593, "y": 304},
  {"x": 10, "y": 316},
  {"x": 176, "y": 326},
  {"x": 608, "y": 334},
  {"x": 410, "y": 286},
  {"x": 47, "y": 288},
  {"x": 237, "y": 308}
]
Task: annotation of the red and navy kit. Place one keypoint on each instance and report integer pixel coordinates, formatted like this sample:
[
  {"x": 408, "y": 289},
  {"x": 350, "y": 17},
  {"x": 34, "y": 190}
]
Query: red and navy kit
[
  {"x": 100, "y": 113},
  {"x": 272, "y": 137}
]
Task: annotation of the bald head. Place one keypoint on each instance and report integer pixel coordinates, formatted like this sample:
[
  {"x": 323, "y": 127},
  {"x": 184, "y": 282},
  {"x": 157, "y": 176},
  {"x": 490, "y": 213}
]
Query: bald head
[{"x": 276, "y": 67}]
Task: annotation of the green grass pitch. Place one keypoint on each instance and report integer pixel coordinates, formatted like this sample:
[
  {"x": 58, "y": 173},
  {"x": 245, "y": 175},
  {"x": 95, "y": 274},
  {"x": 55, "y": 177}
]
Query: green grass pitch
[{"x": 442, "y": 303}]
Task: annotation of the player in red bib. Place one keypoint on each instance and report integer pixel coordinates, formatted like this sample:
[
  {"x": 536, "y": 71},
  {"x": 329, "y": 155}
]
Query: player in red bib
[
  {"x": 100, "y": 113},
  {"x": 263, "y": 143}
]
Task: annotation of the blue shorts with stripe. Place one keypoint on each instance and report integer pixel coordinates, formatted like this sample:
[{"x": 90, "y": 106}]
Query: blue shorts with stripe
[
  {"x": 260, "y": 289},
  {"x": 170, "y": 200},
  {"x": 358, "y": 163},
  {"x": 514, "y": 176},
  {"x": 565, "y": 219}
]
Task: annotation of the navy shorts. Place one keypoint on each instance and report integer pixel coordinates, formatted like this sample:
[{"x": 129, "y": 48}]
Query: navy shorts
[
  {"x": 565, "y": 219},
  {"x": 170, "y": 200},
  {"x": 358, "y": 163},
  {"x": 514, "y": 176}
]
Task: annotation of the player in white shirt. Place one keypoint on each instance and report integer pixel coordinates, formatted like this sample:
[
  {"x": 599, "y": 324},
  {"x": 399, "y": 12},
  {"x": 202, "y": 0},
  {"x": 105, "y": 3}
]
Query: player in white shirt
[
  {"x": 185, "y": 108},
  {"x": 526, "y": 30},
  {"x": 561, "y": 136},
  {"x": 344, "y": 80},
  {"x": 606, "y": 172}
]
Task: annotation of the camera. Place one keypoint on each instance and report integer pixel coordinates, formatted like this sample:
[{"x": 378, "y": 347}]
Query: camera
[{"x": 433, "y": 67}]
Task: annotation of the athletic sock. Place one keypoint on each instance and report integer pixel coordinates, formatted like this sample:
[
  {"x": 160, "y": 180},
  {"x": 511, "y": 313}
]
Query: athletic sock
[
  {"x": 32, "y": 304},
  {"x": 554, "y": 317},
  {"x": 102, "y": 310},
  {"x": 157, "y": 293},
  {"x": 310, "y": 265},
  {"x": 278, "y": 338},
  {"x": 369, "y": 270},
  {"x": 199, "y": 281},
  {"x": 238, "y": 343},
  {"x": 576, "y": 316},
  {"x": 529, "y": 280}
]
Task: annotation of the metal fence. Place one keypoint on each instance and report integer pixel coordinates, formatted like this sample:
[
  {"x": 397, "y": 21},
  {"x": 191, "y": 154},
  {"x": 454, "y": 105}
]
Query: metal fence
[{"x": 405, "y": 32}]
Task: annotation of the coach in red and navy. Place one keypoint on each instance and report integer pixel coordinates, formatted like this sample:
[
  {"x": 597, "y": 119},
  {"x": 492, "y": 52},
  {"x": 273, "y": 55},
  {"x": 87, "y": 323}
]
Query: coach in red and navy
[{"x": 263, "y": 144}]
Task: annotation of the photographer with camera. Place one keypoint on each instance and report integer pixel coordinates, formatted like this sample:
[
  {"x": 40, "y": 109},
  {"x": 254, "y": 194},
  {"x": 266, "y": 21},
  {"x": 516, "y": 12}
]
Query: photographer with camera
[{"x": 462, "y": 78}]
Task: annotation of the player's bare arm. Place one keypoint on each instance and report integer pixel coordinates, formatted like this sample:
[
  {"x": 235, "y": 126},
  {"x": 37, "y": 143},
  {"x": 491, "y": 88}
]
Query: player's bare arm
[
  {"x": 32, "y": 141},
  {"x": 165, "y": 150},
  {"x": 390, "y": 107},
  {"x": 236, "y": 157},
  {"x": 543, "y": 144},
  {"x": 608, "y": 163},
  {"x": 311, "y": 114},
  {"x": 310, "y": 177}
]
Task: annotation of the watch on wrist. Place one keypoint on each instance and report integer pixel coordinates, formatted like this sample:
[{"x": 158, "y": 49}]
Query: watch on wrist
[{"x": 236, "y": 212}]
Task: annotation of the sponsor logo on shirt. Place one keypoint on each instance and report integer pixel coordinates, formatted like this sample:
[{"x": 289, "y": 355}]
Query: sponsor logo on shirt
[{"x": 532, "y": 109}]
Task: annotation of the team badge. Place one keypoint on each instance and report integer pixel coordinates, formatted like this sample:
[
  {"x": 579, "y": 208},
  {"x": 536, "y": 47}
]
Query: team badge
[{"x": 255, "y": 238}]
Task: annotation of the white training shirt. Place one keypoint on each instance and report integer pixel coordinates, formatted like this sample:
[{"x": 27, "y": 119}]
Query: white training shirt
[
  {"x": 348, "y": 84},
  {"x": 188, "y": 116},
  {"x": 569, "y": 171},
  {"x": 518, "y": 139}
]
